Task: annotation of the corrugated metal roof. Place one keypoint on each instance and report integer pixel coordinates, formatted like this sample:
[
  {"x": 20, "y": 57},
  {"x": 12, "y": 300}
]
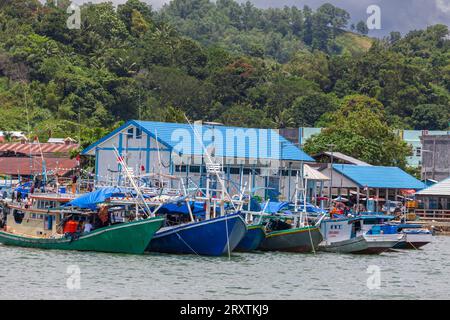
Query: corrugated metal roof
[
  {"x": 28, "y": 166},
  {"x": 439, "y": 189},
  {"x": 379, "y": 177},
  {"x": 35, "y": 148},
  {"x": 259, "y": 143},
  {"x": 344, "y": 157}
]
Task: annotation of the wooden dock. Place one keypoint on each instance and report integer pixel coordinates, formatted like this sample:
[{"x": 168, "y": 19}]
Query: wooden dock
[{"x": 440, "y": 226}]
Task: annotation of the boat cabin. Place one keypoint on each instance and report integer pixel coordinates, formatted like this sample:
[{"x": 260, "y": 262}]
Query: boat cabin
[
  {"x": 39, "y": 216},
  {"x": 335, "y": 230}
]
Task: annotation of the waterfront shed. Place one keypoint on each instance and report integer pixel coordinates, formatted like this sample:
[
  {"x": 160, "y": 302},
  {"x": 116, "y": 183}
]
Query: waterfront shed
[
  {"x": 434, "y": 201},
  {"x": 378, "y": 183}
]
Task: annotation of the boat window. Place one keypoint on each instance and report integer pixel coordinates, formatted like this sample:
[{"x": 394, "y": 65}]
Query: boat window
[{"x": 18, "y": 216}]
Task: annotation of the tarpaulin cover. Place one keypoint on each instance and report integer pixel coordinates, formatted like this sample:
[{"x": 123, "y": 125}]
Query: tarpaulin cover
[
  {"x": 91, "y": 199},
  {"x": 197, "y": 208},
  {"x": 24, "y": 188},
  {"x": 274, "y": 207}
]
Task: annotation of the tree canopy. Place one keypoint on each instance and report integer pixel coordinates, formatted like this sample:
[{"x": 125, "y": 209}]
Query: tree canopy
[{"x": 217, "y": 61}]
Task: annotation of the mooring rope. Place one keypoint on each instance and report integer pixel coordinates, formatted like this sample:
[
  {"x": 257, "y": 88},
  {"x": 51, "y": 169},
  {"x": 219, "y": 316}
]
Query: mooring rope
[
  {"x": 179, "y": 237},
  {"x": 228, "y": 238},
  {"x": 309, "y": 232}
]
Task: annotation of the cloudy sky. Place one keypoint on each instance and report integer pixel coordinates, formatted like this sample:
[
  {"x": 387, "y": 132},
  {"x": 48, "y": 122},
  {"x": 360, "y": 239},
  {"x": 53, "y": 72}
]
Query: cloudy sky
[{"x": 396, "y": 15}]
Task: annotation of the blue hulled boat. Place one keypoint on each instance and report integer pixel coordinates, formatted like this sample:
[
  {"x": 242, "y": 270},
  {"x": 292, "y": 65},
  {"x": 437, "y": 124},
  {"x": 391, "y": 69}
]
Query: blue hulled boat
[
  {"x": 254, "y": 236},
  {"x": 212, "y": 237}
]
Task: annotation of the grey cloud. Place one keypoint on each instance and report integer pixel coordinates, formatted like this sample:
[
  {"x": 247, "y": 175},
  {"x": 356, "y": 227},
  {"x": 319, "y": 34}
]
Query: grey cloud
[{"x": 396, "y": 15}]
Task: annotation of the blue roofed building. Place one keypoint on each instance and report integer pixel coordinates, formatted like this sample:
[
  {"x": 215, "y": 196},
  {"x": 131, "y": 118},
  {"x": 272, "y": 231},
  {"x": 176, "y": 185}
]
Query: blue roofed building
[
  {"x": 377, "y": 183},
  {"x": 249, "y": 156}
]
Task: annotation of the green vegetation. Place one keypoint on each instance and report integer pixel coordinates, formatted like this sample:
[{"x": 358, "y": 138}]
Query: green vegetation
[
  {"x": 359, "y": 128},
  {"x": 220, "y": 61}
]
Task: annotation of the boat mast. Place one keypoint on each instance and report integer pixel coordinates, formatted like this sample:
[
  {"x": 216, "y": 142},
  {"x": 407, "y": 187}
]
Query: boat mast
[{"x": 133, "y": 183}]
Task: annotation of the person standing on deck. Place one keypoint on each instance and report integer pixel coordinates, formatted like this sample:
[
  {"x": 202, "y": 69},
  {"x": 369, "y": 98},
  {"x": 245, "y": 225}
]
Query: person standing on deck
[{"x": 87, "y": 227}]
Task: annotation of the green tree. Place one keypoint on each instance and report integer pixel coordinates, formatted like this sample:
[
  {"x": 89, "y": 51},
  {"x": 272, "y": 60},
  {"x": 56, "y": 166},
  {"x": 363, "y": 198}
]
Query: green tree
[
  {"x": 431, "y": 117},
  {"x": 307, "y": 110},
  {"x": 359, "y": 129},
  {"x": 362, "y": 28},
  {"x": 245, "y": 116}
]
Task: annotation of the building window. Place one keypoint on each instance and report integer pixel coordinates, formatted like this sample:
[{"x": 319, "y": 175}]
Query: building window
[
  {"x": 130, "y": 133},
  {"x": 235, "y": 170},
  {"x": 285, "y": 173},
  {"x": 194, "y": 169},
  {"x": 180, "y": 168},
  {"x": 138, "y": 133}
]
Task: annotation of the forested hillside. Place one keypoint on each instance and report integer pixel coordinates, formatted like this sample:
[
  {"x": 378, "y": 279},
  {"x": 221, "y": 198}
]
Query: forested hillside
[{"x": 221, "y": 61}]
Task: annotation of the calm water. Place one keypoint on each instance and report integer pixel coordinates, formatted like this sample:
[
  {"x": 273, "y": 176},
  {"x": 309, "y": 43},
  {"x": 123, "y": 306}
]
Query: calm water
[{"x": 37, "y": 274}]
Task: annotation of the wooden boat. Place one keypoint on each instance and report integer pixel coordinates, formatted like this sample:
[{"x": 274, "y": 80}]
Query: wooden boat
[
  {"x": 131, "y": 237},
  {"x": 212, "y": 237},
  {"x": 253, "y": 237},
  {"x": 40, "y": 223},
  {"x": 303, "y": 239},
  {"x": 346, "y": 235},
  {"x": 415, "y": 236},
  {"x": 378, "y": 227}
]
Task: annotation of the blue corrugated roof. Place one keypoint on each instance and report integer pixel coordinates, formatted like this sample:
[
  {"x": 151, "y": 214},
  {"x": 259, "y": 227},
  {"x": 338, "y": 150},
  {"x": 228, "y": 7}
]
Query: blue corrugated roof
[
  {"x": 259, "y": 143},
  {"x": 379, "y": 177}
]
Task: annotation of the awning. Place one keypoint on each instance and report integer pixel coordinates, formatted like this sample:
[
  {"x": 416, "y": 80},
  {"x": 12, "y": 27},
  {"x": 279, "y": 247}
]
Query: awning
[{"x": 313, "y": 174}]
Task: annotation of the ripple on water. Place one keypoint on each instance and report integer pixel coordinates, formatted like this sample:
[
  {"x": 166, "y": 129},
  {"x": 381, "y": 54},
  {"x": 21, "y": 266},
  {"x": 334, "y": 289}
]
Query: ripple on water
[{"x": 405, "y": 274}]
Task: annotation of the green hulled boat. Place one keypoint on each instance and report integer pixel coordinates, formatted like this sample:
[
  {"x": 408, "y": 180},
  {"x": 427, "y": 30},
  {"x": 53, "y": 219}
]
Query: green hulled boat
[
  {"x": 42, "y": 223},
  {"x": 129, "y": 237}
]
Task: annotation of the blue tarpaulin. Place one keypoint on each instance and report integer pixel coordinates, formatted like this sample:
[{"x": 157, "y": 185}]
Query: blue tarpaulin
[
  {"x": 274, "y": 207},
  {"x": 24, "y": 188},
  {"x": 197, "y": 208},
  {"x": 91, "y": 199}
]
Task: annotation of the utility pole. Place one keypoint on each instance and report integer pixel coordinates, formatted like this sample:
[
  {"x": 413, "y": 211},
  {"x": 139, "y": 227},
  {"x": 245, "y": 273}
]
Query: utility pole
[{"x": 331, "y": 146}]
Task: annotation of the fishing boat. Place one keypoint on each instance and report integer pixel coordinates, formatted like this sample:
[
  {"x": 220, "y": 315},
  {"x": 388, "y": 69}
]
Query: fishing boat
[
  {"x": 253, "y": 237},
  {"x": 346, "y": 235},
  {"x": 288, "y": 227},
  {"x": 415, "y": 236},
  {"x": 200, "y": 225},
  {"x": 211, "y": 237},
  {"x": 302, "y": 239},
  {"x": 43, "y": 222}
]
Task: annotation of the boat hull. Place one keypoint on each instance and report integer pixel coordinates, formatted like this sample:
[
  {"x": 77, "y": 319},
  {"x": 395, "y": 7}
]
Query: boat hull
[
  {"x": 208, "y": 237},
  {"x": 253, "y": 237},
  {"x": 131, "y": 237},
  {"x": 346, "y": 246},
  {"x": 304, "y": 239},
  {"x": 414, "y": 240},
  {"x": 376, "y": 244}
]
